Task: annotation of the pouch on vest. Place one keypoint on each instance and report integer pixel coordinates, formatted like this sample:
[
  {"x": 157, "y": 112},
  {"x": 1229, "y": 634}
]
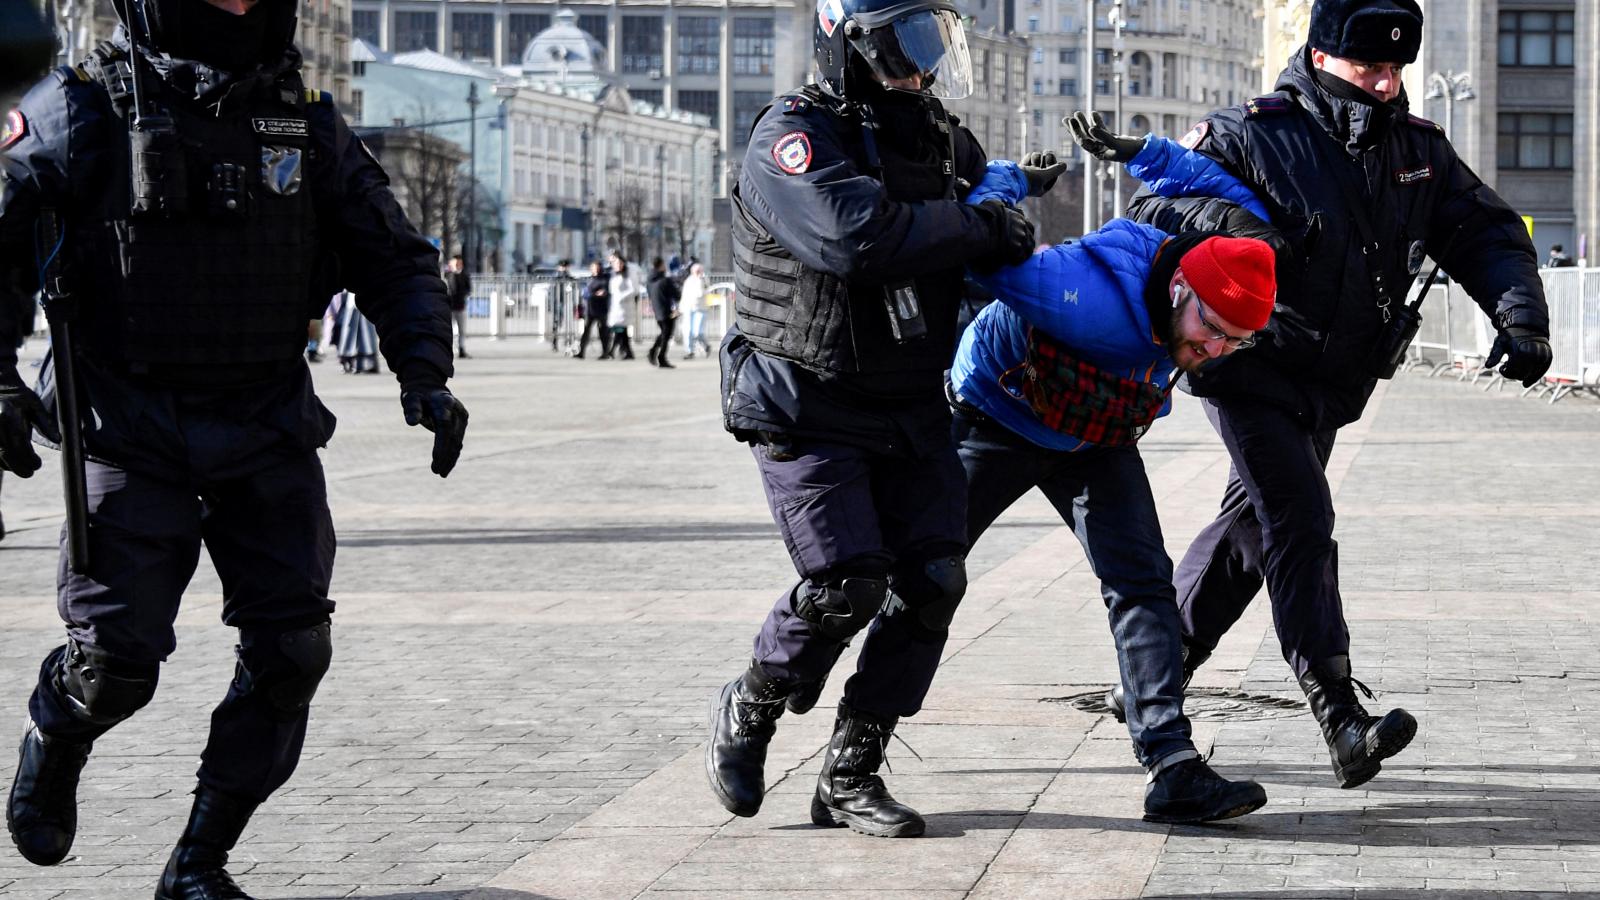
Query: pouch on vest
[{"x": 1082, "y": 400}]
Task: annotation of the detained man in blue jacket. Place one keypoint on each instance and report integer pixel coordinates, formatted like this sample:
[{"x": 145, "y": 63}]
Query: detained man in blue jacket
[{"x": 1054, "y": 384}]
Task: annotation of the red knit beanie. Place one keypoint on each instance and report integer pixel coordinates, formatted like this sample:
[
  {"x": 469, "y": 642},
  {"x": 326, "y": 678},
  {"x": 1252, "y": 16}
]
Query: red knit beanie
[{"x": 1235, "y": 277}]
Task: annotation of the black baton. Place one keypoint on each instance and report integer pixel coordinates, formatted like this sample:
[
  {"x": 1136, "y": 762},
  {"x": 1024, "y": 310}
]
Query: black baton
[{"x": 61, "y": 309}]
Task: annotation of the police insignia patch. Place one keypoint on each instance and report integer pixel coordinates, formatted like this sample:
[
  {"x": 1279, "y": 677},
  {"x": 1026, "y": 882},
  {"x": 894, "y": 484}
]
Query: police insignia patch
[
  {"x": 1195, "y": 136},
  {"x": 792, "y": 152},
  {"x": 1412, "y": 176},
  {"x": 15, "y": 128}
]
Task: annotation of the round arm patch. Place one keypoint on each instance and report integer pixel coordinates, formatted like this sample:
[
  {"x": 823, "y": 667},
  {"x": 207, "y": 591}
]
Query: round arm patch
[{"x": 792, "y": 152}]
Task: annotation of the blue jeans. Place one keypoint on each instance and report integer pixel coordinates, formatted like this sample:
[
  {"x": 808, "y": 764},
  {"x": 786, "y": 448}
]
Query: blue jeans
[{"x": 1104, "y": 495}]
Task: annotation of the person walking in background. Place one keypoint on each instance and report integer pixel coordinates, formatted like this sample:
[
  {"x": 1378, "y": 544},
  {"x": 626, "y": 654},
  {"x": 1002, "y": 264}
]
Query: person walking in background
[
  {"x": 1558, "y": 258},
  {"x": 358, "y": 339},
  {"x": 624, "y": 302},
  {"x": 596, "y": 310},
  {"x": 664, "y": 295},
  {"x": 691, "y": 311},
  {"x": 563, "y": 306},
  {"x": 459, "y": 286}
]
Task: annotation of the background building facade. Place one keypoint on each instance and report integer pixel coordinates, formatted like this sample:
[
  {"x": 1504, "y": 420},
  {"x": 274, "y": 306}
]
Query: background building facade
[{"x": 723, "y": 59}]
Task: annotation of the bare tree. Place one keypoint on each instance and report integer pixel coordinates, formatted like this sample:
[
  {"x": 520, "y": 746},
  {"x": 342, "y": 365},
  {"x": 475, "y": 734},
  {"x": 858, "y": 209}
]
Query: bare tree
[
  {"x": 682, "y": 221},
  {"x": 630, "y": 218}
]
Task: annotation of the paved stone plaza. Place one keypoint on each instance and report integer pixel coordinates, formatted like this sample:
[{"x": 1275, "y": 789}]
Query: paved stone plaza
[{"x": 524, "y": 655}]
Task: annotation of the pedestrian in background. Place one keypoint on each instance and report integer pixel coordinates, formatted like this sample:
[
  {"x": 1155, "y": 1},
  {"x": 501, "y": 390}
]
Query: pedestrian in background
[
  {"x": 692, "y": 312},
  {"x": 1558, "y": 258},
  {"x": 625, "y": 294},
  {"x": 664, "y": 295},
  {"x": 358, "y": 339},
  {"x": 596, "y": 310},
  {"x": 458, "y": 284}
]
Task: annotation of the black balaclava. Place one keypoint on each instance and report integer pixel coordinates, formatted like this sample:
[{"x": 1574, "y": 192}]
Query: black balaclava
[{"x": 217, "y": 37}]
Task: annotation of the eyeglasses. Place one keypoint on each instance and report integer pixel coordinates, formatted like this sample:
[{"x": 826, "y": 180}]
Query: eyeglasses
[{"x": 1228, "y": 340}]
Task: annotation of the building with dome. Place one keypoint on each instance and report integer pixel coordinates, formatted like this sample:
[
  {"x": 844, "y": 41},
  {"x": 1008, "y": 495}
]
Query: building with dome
[
  {"x": 574, "y": 162},
  {"x": 722, "y": 59}
]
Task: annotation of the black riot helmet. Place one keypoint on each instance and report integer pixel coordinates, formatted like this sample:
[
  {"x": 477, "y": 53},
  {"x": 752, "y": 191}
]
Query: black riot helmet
[
  {"x": 197, "y": 30},
  {"x": 909, "y": 45}
]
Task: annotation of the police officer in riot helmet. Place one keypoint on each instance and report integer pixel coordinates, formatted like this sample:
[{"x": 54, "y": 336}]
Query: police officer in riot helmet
[
  {"x": 198, "y": 205},
  {"x": 850, "y": 243}
]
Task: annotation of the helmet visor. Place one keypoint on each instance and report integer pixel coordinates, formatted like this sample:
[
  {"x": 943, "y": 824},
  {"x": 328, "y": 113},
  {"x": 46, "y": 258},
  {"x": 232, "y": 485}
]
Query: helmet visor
[{"x": 924, "y": 52}]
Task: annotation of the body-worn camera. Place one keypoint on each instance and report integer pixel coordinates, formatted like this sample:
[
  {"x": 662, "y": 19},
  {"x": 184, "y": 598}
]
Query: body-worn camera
[{"x": 906, "y": 321}]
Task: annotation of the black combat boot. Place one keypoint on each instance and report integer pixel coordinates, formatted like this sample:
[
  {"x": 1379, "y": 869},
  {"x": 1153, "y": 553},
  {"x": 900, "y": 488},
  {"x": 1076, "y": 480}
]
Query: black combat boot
[
  {"x": 42, "y": 812},
  {"x": 849, "y": 791},
  {"x": 195, "y": 871},
  {"x": 743, "y": 717},
  {"x": 1193, "y": 658},
  {"x": 1357, "y": 742},
  {"x": 1190, "y": 791}
]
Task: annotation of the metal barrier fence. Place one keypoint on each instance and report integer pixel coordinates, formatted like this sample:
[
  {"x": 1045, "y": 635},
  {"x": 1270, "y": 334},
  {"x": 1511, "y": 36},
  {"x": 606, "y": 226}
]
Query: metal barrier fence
[
  {"x": 1456, "y": 336},
  {"x": 549, "y": 307}
]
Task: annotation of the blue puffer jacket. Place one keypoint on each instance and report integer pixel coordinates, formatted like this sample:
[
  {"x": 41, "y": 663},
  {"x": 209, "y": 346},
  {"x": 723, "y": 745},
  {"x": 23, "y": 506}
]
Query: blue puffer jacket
[{"x": 1087, "y": 294}]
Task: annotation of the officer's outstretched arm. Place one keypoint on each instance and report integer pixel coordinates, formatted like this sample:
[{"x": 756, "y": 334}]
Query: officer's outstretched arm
[
  {"x": 395, "y": 276},
  {"x": 1481, "y": 242},
  {"x": 806, "y": 190},
  {"x": 33, "y": 171}
]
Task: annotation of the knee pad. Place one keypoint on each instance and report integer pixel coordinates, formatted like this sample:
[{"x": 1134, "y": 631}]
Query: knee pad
[
  {"x": 101, "y": 689},
  {"x": 930, "y": 593},
  {"x": 283, "y": 668},
  {"x": 841, "y": 607}
]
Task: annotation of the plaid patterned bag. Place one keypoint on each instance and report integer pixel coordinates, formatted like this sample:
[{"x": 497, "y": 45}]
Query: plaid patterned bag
[{"x": 1081, "y": 400}]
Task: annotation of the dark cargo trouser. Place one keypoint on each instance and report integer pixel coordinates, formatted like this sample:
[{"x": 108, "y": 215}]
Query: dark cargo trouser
[
  {"x": 271, "y": 539},
  {"x": 846, "y": 511},
  {"x": 1275, "y": 528},
  {"x": 1104, "y": 495}
]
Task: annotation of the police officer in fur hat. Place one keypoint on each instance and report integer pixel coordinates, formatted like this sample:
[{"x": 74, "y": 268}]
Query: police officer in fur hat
[
  {"x": 1389, "y": 190},
  {"x": 206, "y": 205}
]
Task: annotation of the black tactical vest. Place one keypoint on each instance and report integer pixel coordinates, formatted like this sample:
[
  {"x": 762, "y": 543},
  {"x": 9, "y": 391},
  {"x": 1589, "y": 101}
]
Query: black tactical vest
[
  {"x": 216, "y": 291},
  {"x": 839, "y": 328}
]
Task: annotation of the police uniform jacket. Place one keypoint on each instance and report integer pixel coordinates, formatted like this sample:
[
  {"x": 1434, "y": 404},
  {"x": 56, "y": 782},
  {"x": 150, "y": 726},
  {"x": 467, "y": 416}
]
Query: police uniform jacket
[
  {"x": 809, "y": 185},
  {"x": 66, "y": 148},
  {"x": 1294, "y": 148}
]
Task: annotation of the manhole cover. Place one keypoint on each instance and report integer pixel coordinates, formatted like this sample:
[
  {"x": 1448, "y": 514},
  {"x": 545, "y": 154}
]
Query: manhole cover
[{"x": 1203, "y": 703}]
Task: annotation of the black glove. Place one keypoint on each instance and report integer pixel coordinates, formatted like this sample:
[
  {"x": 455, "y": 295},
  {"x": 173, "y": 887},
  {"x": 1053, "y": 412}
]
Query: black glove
[
  {"x": 1526, "y": 351},
  {"x": 431, "y": 405},
  {"x": 1041, "y": 170},
  {"x": 1011, "y": 236},
  {"x": 21, "y": 413},
  {"x": 1091, "y": 133}
]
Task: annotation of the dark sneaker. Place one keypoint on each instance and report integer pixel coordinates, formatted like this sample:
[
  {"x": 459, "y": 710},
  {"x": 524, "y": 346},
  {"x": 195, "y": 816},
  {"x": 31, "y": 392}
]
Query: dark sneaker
[{"x": 1189, "y": 792}]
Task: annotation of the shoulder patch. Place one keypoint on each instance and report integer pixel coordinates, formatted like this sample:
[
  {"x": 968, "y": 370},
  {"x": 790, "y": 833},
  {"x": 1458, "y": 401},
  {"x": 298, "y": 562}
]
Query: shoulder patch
[
  {"x": 1420, "y": 122},
  {"x": 1271, "y": 103},
  {"x": 792, "y": 152},
  {"x": 15, "y": 129},
  {"x": 1195, "y": 136}
]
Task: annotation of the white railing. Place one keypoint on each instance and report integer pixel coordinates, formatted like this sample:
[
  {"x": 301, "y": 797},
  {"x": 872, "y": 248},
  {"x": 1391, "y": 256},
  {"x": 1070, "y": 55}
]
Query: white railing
[
  {"x": 1456, "y": 336},
  {"x": 545, "y": 306}
]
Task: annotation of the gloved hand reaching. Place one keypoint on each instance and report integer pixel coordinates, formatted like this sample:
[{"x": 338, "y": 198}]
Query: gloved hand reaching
[
  {"x": 430, "y": 404},
  {"x": 1526, "y": 352},
  {"x": 1091, "y": 133},
  {"x": 1041, "y": 169},
  {"x": 21, "y": 413},
  {"x": 1012, "y": 236}
]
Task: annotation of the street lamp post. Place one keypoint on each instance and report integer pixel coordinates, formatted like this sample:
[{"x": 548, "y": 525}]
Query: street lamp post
[
  {"x": 1119, "y": 66},
  {"x": 474, "y": 251},
  {"x": 1089, "y": 205},
  {"x": 1450, "y": 86}
]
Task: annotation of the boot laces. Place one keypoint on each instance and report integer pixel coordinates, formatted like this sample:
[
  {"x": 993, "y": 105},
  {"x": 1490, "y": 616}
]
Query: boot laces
[
  {"x": 1364, "y": 689},
  {"x": 755, "y": 714}
]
